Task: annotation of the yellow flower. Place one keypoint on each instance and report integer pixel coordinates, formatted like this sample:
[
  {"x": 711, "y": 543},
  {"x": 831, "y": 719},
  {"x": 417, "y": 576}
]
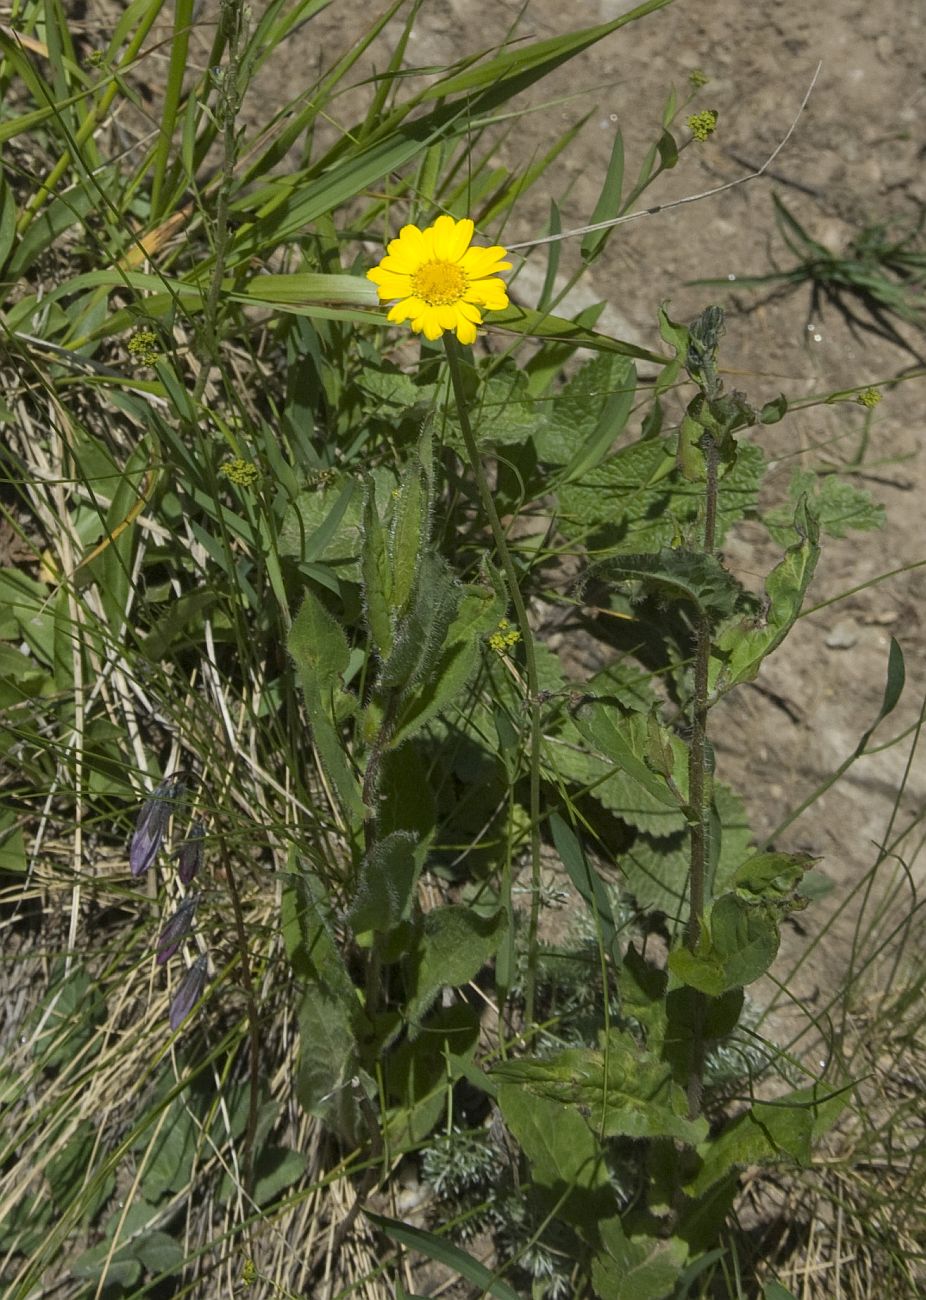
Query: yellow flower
[{"x": 439, "y": 281}]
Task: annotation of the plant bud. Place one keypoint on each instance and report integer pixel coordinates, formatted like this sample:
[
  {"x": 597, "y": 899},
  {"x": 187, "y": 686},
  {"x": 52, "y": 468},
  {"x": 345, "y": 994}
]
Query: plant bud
[
  {"x": 151, "y": 825},
  {"x": 176, "y": 929},
  {"x": 189, "y": 992}
]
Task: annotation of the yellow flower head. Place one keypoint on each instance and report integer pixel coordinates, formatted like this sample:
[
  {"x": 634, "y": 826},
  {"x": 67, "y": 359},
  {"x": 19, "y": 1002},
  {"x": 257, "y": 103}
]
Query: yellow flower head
[{"x": 439, "y": 282}]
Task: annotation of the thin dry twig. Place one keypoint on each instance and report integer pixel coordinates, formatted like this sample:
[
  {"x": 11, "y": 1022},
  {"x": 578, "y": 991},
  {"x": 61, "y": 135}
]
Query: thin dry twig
[{"x": 677, "y": 203}]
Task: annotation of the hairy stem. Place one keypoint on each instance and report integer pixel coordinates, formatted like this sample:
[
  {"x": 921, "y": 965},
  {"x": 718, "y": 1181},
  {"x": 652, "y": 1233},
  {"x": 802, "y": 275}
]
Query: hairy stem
[
  {"x": 698, "y": 784},
  {"x": 530, "y": 661}
]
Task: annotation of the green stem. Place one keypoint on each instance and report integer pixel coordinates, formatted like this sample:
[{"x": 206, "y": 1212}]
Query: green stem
[
  {"x": 530, "y": 661},
  {"x": 698, "y": 785}
]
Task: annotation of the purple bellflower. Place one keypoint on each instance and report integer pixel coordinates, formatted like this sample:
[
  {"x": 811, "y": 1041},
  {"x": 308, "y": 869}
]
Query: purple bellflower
[
  {"x": 176, "y": 929},
  {"x": 190, "y": 855},
  {"x": 151, "y": 825},
  {"x": 188, "y": 993}
]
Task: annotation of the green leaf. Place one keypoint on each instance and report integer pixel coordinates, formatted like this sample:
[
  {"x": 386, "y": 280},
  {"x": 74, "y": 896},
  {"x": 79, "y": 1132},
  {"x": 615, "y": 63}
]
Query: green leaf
[
  {"x": 775, "y": 1291},
  {"x": 783, "y": 1129},
  {"x": 388, "y": 882},
  {"x": 639, "y": 502},
  {"x": 308, "y": 929},
  {"x": 454, "y": 945},
  {"x": 422, "y": 628},
  {"x": 329, "y": 1057},
  {"x": 170, "y": 1158},
  {"x": 410, "y": 527},
  {"x": 838, "y": 504},
  {"x": 588, "y": 883},
  {"x": 376, "y": 572},
  {"x": 609, "y": 200},
  {"x": 276, "y": 1169},
  {"x": 624, "y": 739},
  {"x": 628, "y": 1090},
  {"x": 587, "y": 415},
  {"x": 477, "y": 614},
  {"x": 543, "y": 325},
  {"x": 452, "y": 1257},
  {"x": 419, "y": 1071},
  {"x": 678, "y": 574},
  {"x": 563, "y": 1153},
  {"x": 321, "y": 654},
  {"x": 738, "y": 943},
  {"x": 68, "y": 1015},
  {"x": 738, "y": 651},
  {"x": 636, "y": 1268},
  {"x": 773, "y": 876},
  {"x": 72, "y": 1176}
]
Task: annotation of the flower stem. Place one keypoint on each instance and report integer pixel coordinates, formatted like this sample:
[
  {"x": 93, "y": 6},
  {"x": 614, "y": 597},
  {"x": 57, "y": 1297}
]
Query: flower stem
[
  {"x": 530, "y": 662},
  {"x": 699, "y": 785}
]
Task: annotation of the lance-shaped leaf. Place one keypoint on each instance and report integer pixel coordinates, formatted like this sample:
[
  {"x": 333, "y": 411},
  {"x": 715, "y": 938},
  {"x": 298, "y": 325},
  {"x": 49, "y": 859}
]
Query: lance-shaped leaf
[
  {"x": 190, "y": 854},
  {"x": 176, "y": 929},
  {"x": 151, "y": 825},
  {"x": 189, "y": 992}
]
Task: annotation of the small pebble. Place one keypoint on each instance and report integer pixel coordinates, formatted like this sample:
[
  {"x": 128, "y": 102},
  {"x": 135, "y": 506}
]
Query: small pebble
[{"x": 843, "y": 635}]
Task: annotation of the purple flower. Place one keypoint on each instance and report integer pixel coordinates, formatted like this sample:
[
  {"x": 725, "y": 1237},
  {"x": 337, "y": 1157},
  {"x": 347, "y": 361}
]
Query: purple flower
[
  {"x": 188, "y": 993},
  {"x": 176, "y": 928},
  {"x": 151, "y": 825},
  {"x": 190, "y": 856}
]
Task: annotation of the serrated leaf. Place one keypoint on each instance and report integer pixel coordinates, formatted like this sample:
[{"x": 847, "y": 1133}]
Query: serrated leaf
[
  {"x": 323, "y": 524},
  {"x": 783, "y": 1129},
  {"x": 774, "y": 876},
  {"x": 601, "y": 384},
  {"x": 678, "y": 574},
  {"x": 738, "y": 943},
  {"x": 627, "y": 1090},
  {"x": 838, "y": 504},
  {"x": 636, "y": 1268},
  {"x": 637, "y": 501},
  {"x": 623, "y": 740},
  {"x": 502, "y": 413},
  {"x": 738, "y": 651}
]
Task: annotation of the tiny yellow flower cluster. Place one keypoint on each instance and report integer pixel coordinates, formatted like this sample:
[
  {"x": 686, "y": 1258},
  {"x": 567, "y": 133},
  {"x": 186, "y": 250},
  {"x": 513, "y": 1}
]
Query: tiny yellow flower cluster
[
  {"x": 504, "y": 637},
  {"x": 243, "y": 473},
  {"x": 249, "y": 1273},
  {"x": 698, "y": 78},
  {"x": 701, "y": 125},
  {"x": 869, "y": 397},
  {"x": 143, "y": 347}
]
